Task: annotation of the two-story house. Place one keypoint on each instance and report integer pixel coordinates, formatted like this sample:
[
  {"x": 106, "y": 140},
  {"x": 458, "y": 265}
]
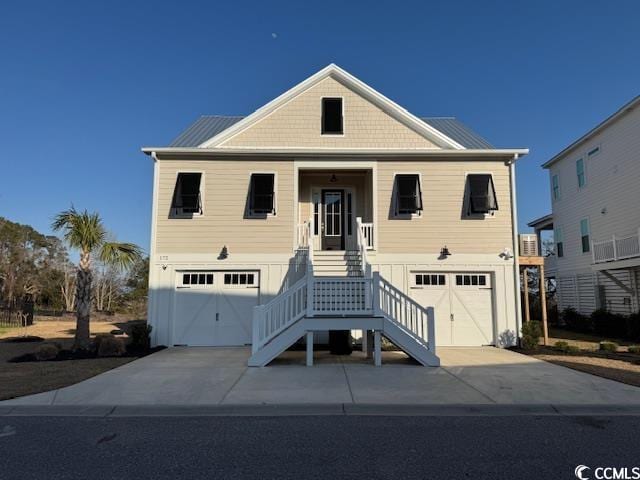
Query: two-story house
[
  {"x": 595, "y": 195},
  {"x": 333, "y": 208}
]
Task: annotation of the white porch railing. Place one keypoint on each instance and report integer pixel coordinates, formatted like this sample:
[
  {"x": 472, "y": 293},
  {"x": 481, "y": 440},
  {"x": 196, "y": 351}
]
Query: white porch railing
[
  {"x": 367, "y": 232},
  {"x": 405, "y": 311},
  {"x": 341, "y": 296},
  {"x": 617, "y": 248},
  {"x": 362, "y": 247}
]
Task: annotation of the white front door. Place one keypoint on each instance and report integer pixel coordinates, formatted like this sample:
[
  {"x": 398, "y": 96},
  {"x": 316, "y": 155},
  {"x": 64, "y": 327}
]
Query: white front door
[
  {"x": 214, "y": 308},
  {"x": 462, "y": 303}
]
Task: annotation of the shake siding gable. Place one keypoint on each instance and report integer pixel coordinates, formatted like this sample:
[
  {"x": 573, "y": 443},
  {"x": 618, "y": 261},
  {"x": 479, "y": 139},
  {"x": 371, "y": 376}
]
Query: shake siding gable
[{"x": 298, "y": 124}]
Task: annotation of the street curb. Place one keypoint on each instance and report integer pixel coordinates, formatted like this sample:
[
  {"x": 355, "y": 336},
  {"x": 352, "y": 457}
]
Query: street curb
[{"x": 336, "y": 409}]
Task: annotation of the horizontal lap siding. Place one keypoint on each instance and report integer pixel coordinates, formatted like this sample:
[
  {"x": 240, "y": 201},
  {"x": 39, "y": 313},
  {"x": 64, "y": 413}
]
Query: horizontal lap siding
[
  {"x": 443, "y": 189},
  {"x": 226, "y": 185},
  {"x": 297, "y": 124}
]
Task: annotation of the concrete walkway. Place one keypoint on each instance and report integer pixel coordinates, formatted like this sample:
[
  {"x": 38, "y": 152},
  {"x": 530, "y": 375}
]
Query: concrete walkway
[{"x": 190, "y": 377}]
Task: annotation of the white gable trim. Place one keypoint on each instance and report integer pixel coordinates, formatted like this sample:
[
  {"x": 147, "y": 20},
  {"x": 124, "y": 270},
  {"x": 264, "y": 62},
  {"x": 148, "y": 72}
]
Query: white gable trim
[{"x": 388, "y": 106}]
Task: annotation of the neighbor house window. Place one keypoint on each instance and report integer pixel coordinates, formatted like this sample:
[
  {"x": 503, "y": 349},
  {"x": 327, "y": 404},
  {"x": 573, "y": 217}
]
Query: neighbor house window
[
  {"x": 482, "y": 193},
  {"x": 408, "y": 195},
  {"x": 186, "y": 195},
  {"x": 584, "y": 235},
  {"x": 555, "y": 185},
  {"x": 580, "y": 172},
  {"x": 262, "y": 194},
  {"x": 559, "y": 242},
  {"x": 332, "y": 121}
]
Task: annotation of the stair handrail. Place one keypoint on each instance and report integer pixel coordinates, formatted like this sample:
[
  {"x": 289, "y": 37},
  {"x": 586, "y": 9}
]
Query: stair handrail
[
  {"x": 361, "y": 243},
  {"x": 399, "y": 308},
  {"x": 282, "y": 311}
]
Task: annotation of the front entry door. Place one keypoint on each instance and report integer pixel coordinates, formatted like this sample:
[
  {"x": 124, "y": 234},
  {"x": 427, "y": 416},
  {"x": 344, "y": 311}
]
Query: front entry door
[{"x": 332, "y": 220}]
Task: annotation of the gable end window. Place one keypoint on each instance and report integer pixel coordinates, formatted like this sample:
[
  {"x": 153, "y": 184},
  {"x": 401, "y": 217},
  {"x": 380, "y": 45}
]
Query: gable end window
[
  {"x": 262, "y": 194},
  {"x": 186, "y": 195},
  {"x": 584, "y": 235},
  {"x": 580, "y": 172},
  {"x": 482, "y": 193},
  {"x": 332, "y": 121},
  {"x": 408, "y": 198}
]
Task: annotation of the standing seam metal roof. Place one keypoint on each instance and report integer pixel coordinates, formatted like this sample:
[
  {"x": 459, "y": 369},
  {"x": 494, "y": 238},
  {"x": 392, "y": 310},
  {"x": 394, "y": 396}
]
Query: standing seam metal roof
[{"x": 208, "y": 126}]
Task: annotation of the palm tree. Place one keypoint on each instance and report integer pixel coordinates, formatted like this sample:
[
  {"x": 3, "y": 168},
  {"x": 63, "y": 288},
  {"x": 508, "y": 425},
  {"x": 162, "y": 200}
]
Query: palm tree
[{"x": 85, "y": 232}]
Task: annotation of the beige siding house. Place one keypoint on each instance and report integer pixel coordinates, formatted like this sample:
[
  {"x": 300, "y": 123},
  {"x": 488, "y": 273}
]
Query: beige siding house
[
  {"x": 333, "y": 208},
  {"x": 595, "y": 194}
]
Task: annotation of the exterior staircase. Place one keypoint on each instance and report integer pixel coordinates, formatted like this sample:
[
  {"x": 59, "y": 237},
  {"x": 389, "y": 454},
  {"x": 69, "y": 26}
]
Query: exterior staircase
[
  {"x": 336, "y": 263},
  {"x": 340, "y": 292}
]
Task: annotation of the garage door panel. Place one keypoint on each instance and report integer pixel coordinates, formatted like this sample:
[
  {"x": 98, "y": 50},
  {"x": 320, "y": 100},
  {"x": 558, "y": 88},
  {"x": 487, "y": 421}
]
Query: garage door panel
[
  {"x": 462, "y": 304},
  {"x": 216, "y": 314}
]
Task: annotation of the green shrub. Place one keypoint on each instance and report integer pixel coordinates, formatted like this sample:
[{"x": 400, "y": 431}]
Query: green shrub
[
  {"x": 110, "y": 346},
  {"x": 634, "y": 349},
  {"x": 47, "y": 351},
  {"x": 140, "y": 336},
  {"x": 561, "y": 345},
  {"x": 576, "y": 321},
  {"x": 531, "y": 332},
  {"x": 608, "y": 346},
  {"x": 609, "y": 324}
]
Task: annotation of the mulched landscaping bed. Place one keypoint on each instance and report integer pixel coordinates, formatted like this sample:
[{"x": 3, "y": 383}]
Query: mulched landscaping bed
[{"x": 65, "y": 355}]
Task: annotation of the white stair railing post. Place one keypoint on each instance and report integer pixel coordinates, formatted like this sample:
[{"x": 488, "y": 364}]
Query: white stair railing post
[
  {"x": 258, "y": 319},
  {"x": 615, "y": 248},
  {"x": 376, "y": 293},
  {"x": 593, "y": 251},
  {"x": 431, "y": 329},
  {"x": 310, "y": 288}
]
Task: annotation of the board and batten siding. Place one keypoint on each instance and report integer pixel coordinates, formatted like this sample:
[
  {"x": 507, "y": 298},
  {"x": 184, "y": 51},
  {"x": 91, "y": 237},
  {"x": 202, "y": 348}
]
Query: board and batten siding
[
  {"x": 225, "y": 191},
  {"x": 443, "y": 220},
  {"x": 298, "y": 123}
]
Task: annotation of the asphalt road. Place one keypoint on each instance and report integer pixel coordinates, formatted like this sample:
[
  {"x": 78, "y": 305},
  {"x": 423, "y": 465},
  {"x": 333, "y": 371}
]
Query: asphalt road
[{"x": 322, "y": 447}]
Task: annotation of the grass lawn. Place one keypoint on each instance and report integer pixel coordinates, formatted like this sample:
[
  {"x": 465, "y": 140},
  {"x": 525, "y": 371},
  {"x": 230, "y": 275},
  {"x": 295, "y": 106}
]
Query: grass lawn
[
  {"x": 17, "y": 379},
  {"x": 620, "y": 366}
]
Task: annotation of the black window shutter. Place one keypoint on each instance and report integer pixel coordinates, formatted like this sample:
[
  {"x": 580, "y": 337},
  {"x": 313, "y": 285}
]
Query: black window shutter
[
  {"x": 482, "y": 194},
  {"x": 186, "y": 195},
  {"x": 408, "y": 194},
  {"x": 262, "y": 193},
  {"x": 332, "y": 116}
]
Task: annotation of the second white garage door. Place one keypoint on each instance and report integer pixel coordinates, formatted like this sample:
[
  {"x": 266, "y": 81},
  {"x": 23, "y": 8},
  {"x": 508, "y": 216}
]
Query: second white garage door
[
  {"x": 214, "y": 308},
  {"x": 462, "y": 304}
]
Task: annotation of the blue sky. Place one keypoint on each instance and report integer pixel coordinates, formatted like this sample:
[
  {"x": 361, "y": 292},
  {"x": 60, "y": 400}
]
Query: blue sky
[{"x": 84, "y": 85}]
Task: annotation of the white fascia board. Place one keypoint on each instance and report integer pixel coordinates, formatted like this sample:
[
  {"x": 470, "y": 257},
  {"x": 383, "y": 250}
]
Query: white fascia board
[
  {"x": 508, "y": 153},
  {"x": 358, "y": 86}
]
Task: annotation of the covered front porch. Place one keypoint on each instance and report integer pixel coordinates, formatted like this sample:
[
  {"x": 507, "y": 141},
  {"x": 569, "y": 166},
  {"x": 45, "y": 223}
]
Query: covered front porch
[{"x": 335, "y": 203}]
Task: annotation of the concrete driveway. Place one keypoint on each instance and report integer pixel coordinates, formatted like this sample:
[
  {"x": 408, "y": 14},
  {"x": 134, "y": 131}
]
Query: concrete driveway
[{"x": 219, "y": 376}]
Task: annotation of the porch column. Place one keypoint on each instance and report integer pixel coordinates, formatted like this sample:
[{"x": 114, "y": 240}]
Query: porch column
[
  {"x": 365, "y": 341},
  {"x": 543, "y": 304},
  {"x": 369, "y": 344},
  {"x": 525, "y": 284},
  {"x": 309, "y": 349},
  {"x": 377, "y": 341}
]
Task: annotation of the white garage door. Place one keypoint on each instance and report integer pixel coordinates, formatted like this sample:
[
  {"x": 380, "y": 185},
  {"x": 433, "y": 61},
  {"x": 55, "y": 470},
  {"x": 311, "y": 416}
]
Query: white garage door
[
  {"x": 214, "y": 308},
  {"x": 462, "y": 305}
]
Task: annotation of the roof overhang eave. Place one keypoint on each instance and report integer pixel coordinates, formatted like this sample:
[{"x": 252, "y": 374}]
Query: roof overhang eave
[{"x": 507, "y": 153}]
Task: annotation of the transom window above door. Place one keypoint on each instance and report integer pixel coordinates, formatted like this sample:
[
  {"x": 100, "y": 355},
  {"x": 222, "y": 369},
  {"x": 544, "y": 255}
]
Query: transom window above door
[{"x": 332, "y": 116}]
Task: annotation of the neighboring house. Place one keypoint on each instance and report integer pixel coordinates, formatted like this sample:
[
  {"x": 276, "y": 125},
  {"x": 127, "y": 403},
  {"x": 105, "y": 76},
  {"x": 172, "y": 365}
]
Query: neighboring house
[
  {"x": 333, "y": 208},
  {"x": 595, "y": 195}
]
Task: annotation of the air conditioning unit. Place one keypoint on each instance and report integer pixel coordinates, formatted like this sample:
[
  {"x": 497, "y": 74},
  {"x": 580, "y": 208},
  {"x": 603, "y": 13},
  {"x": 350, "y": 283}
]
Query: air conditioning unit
[{"x": 528, "y": 245}]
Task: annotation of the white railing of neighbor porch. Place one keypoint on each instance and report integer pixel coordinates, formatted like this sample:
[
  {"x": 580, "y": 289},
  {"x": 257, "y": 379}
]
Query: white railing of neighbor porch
[
  {"x": 403, "y": 310},
  {"x": 617, "y": 248},
  {"x": 362, "y": 248}
]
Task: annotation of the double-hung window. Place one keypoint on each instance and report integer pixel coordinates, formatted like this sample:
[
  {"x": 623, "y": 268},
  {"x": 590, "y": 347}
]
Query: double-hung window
[
  {"x": 558, "y": 239},
  {"x": 262, "y": 194},
  {"x": 555, "y": 187},
  {"x": 187, "y": 199},
  {"x": 580, "y": 172},
  {"x": 482, "y": 194},
  {"x": 584, "y": 235},
  {"x": 408, "y": 194}
]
